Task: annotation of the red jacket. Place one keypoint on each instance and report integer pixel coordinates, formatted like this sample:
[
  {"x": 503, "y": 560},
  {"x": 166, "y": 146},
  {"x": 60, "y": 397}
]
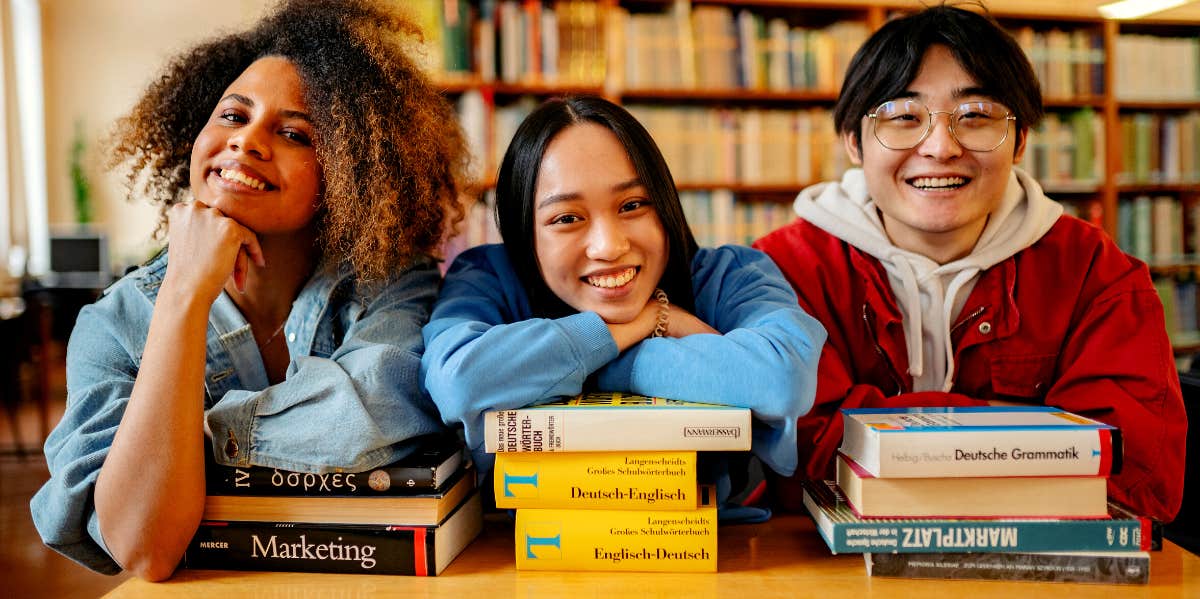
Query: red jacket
[{"x": 1070, "y": 321}]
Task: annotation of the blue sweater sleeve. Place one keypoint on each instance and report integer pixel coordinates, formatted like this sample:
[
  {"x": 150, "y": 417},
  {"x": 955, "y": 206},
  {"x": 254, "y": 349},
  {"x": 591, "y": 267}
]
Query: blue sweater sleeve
[
  {"x": 765, "y": 358},
  {"x": 482, "y": 352}
]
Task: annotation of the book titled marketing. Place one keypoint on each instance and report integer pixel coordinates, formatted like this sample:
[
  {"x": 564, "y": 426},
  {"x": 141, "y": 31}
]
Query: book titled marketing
[
  {"x": 628, "y": 540},
  {"x": 661, "y": 480},
  {"x": 618, "y": 422},
  {"x": 979, "y": 441},
  {"x": 846, "y": 532},
  {"x": 334, "y": 548}
]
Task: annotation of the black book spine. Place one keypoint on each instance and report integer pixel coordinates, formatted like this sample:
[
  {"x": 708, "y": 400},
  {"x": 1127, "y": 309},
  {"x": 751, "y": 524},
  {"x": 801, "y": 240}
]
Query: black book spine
[
  {"x": 1110, "y": 568},
  {"x": 284, "y": 547},
  {"x": 257, "y": 480}
]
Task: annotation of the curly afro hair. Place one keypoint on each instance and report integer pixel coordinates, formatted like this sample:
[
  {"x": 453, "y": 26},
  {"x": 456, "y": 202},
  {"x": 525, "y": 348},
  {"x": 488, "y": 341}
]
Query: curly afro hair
[{"x": 393, "y": 157}]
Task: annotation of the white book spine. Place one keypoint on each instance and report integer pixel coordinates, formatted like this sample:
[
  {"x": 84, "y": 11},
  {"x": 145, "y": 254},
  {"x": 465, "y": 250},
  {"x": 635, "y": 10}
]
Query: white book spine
[
  {"x": 624, "y": 429},
  {"x": 1001, "y": 452}
]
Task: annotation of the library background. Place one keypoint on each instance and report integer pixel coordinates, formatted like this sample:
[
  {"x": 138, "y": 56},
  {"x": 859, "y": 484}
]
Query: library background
[{"x": 738, "y": 94}]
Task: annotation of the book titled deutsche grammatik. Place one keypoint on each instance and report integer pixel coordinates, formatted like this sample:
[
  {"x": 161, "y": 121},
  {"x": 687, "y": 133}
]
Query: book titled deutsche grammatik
[
  {"x": 427, "y": 468},
  {"x": 618, "y": 422},
  {"x": 629, "y": 540},
  {"x": 979, "y": 441},
  {"x": 661, "y": 480},
  {"x": 1107, "y": 567},
  {"x": 845, "y": 532},
  {"x": 334, "y": 548}
]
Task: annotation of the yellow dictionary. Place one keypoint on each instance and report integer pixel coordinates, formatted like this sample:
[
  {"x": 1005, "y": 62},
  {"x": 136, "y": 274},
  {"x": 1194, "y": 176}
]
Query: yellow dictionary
[
  {"x": 628, "y": 540},
  {"x": 654, "y": 480}
]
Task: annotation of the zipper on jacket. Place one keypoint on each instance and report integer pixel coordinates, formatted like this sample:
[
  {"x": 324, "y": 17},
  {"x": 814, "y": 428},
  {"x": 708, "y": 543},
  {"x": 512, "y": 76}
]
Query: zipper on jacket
[
  {"x": 879, "y": 349},
  {"x": 969, "y": 318}
]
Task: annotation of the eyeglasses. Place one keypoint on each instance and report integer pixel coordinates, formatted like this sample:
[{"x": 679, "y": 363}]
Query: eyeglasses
[{"x": 901, "y": 124}]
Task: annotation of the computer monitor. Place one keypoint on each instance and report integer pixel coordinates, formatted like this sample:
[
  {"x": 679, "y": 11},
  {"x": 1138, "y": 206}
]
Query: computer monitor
[{"x": 78, "y": 258}]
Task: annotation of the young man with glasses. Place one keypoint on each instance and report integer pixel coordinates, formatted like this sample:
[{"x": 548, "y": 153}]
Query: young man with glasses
[{"x": 946, "y": 277}]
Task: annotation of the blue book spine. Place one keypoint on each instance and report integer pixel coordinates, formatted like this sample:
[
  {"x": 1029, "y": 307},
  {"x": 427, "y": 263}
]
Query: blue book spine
[{"x": 846, "y": 533}]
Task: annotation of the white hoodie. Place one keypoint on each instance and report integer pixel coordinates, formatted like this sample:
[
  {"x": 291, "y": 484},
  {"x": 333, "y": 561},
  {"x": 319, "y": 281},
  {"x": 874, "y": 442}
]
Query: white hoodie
[{"x": 930, "y": 295}]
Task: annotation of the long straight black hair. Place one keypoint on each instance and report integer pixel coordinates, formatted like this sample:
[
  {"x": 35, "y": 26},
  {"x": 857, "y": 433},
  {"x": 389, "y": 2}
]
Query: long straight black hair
[{"x": 517, "y": 181}]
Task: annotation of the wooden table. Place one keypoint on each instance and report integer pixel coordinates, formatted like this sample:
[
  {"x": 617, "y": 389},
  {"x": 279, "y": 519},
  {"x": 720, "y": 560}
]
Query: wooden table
[{"x": 781, "y": 558}]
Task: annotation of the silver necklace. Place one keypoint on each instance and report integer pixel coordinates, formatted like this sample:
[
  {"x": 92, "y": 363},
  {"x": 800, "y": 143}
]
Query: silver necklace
[{"x": 273, "y": 335}]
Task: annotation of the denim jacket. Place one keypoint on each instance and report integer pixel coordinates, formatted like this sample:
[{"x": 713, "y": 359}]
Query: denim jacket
[{"x": 350, "y": 399}]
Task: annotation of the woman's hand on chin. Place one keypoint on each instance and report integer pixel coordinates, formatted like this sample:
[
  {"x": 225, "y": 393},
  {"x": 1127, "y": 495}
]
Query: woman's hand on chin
[
  {"x": 682, "y": 323},
  {"x": 628, "y": 334},
  {"x": 206, "y": 248}
]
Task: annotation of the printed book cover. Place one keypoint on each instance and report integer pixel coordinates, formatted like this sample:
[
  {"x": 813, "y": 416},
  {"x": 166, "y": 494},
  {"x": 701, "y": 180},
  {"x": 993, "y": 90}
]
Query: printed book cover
[
  {"x": 844, "y": 532},
  {"x": 660, "y": 480},
  {"x": 628, "y": 540},
  {"x": 1105, "y": 567},
  {"x": 334, "y": 548},
  {"x": 995, "y": 497},
  {"x": 427, "y": 468},
  {"x": 979, "y": 442},
  {"x": 618, "y": 422},
  {"x": 424, "y": 509}
]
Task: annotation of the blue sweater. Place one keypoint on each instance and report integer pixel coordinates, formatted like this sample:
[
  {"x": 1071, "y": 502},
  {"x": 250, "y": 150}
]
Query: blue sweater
[{"x": 484, "y": 351}]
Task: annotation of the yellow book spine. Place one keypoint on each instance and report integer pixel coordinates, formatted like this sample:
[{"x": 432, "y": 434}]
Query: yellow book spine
[
  {"x": 656, "y": 480},
  {"x": 625, "y": 540}
]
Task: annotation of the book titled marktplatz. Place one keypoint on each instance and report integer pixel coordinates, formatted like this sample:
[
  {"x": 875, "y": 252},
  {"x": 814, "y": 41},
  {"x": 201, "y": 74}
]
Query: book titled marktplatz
[
  {"x": 434, "y": 459},
  {"x": 979, "y": 442},
  {"x": 845, "y": 532},
  {"x": 618, "y": 422}
]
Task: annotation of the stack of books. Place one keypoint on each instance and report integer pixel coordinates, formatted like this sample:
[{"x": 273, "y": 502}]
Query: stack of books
[
  {"x": 1011, "y": 493},
  {"x": 412, "y": 517},
  {"x": 607, "y": 481}
]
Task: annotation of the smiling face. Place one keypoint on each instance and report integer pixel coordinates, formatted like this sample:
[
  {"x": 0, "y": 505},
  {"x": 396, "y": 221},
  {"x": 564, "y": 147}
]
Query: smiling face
[
  {"x": 935, "y": 198},
  {"x": 599, "y": 243},
  {"x": 254, "y": 159}
]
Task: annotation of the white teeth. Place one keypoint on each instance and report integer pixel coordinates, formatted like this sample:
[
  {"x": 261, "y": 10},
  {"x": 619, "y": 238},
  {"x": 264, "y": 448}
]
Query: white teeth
[
  {"x": 938, "y": 182},
  {"x": 242, "y": 178},
  {"x": 613, "y": 281}
]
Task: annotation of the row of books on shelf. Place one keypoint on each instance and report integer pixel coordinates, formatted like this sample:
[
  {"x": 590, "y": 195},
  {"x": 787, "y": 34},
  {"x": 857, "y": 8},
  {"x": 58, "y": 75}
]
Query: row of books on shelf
[
  {"x": 702, "y": 145},
  {"x": 718, "y": 47},
  {"x": 1066, "y": 150},
  {"x": 1157, "y": 68},
  {"x": 1069, "y": 64},
  {"x": 1161, "y": 230},
  {"x": 1181, "y": 308},
  {"x": 585, "y": 43},
  {"x": 1159, "y": 148},
  {"x": 714, "y": 47},
  {"x": 1008, "y": 493}
]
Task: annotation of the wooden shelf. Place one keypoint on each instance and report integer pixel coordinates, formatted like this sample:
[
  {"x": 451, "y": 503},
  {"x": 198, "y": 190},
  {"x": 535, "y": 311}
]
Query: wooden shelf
[
  {"x": 1131, "y": 105},
  {"x": 1082, "y": 102},
  {"x": 727, "y": 95},
  {"x": 543, "y": 89},
  {"x": 1158, "y": 188}
]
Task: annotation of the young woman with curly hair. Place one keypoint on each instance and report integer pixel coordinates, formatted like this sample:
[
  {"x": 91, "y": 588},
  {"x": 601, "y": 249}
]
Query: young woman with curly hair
[{"x": 306, "y": 171}]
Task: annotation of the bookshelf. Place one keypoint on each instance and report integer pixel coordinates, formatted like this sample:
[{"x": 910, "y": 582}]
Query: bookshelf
[{"x": 738, "y": 93}]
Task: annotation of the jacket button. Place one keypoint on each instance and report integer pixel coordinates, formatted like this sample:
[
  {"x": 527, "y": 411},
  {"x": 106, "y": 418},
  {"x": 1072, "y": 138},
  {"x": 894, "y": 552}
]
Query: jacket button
[
  {"x": 985, "y": 327},
  {"x": 231, "y": 446}
]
